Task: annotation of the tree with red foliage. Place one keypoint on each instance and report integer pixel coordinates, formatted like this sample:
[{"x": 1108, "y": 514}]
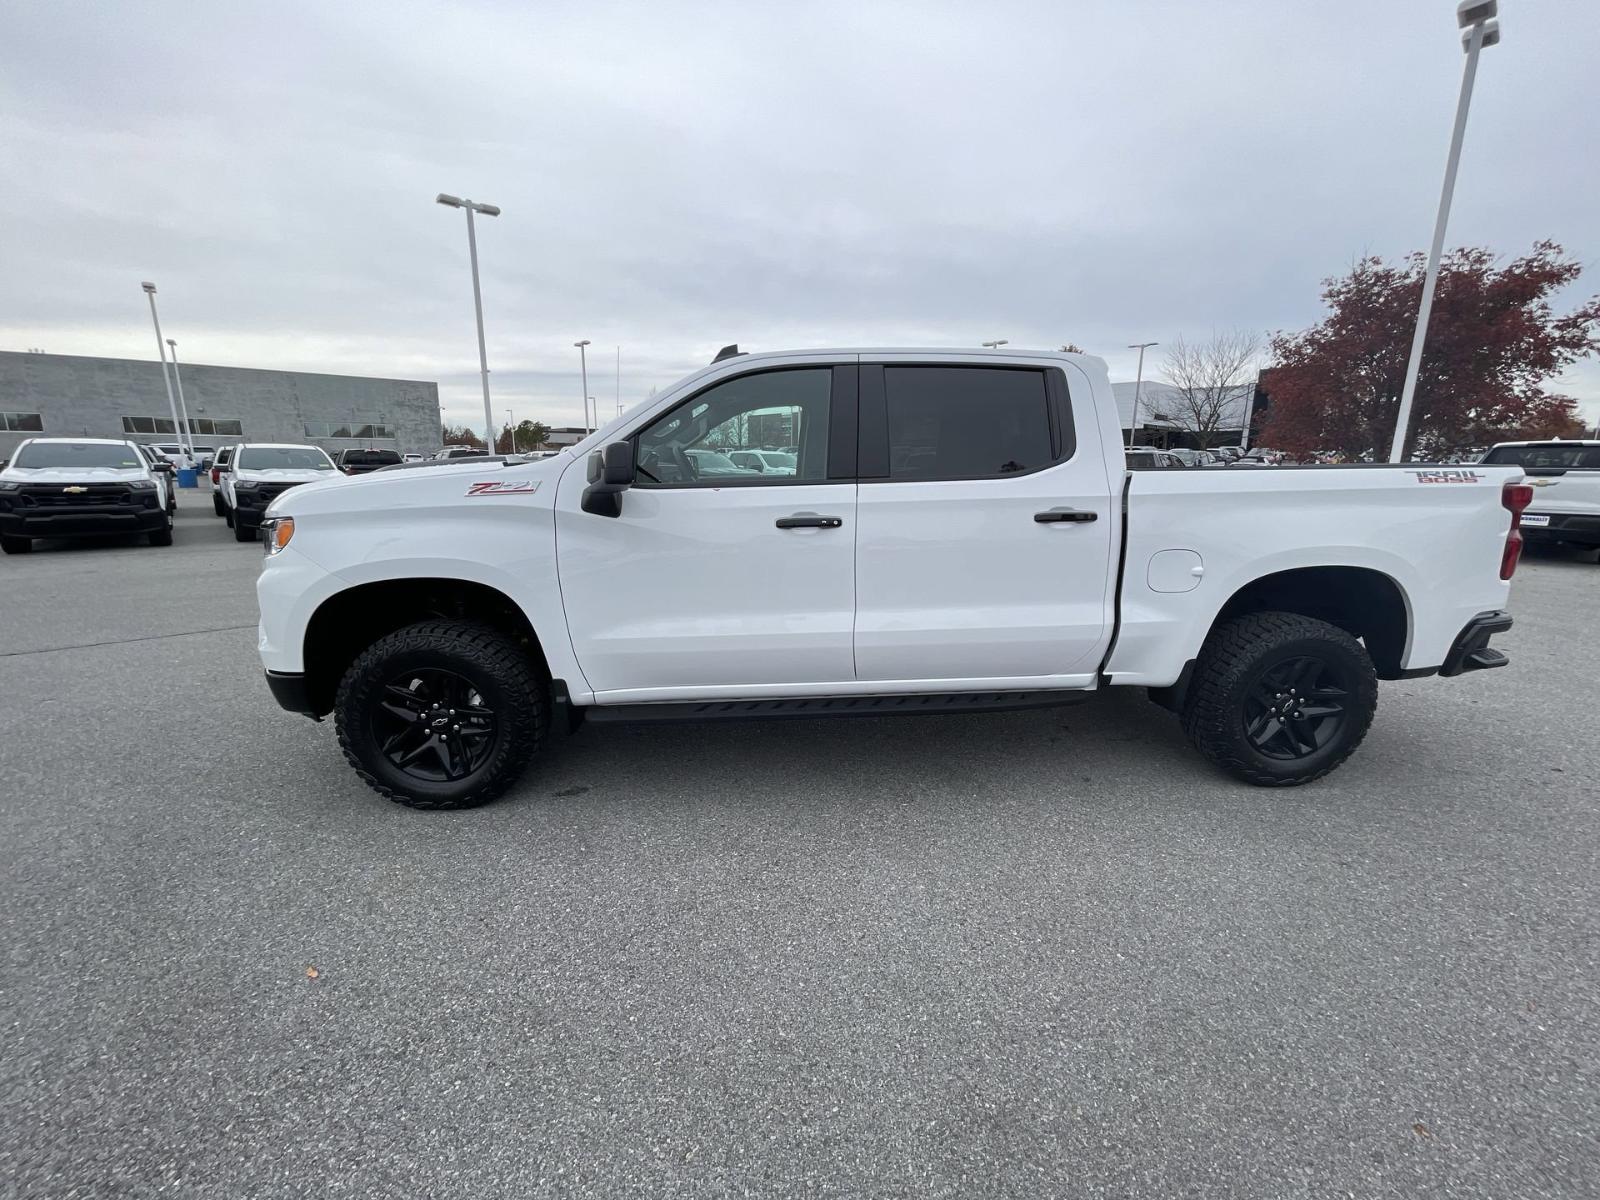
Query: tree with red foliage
[{"x": 1493, "y": 340}]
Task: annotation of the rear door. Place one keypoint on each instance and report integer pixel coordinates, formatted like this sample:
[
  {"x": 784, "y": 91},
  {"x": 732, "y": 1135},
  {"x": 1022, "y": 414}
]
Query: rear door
[
  {"x": 983, "y": 543},
  {"x": 717, "y": 580}
]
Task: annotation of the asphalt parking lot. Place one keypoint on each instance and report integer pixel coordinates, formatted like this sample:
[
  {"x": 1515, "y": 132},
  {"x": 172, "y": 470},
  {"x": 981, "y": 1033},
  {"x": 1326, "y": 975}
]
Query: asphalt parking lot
[{"x": 1046, "y": 953}]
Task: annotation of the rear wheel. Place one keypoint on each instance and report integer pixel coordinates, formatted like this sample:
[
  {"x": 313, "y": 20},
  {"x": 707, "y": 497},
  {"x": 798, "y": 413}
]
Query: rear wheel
[
  {"x": 441, "y": 715},
  {"x": 1280, "y": 699},
  {"x": 15, "y": 545}
]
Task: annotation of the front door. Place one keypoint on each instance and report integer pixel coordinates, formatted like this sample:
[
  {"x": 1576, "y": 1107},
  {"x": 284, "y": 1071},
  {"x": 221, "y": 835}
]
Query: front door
[
  {"x": 984, "y": 533},
  {"x": 717, "y": 579}
]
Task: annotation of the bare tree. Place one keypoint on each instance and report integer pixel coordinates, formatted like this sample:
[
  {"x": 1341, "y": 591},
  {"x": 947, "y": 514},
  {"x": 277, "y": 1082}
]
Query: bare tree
[{"x": 1211, "y": 381}]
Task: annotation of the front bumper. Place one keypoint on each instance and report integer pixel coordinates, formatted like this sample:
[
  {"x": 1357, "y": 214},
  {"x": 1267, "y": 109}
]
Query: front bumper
[
  {"x": 292, "y": 692},
  {"x": 1470, "y": 651},
  {"x": 1580, "y": 529},
  {"x": 70, "y": 524}
]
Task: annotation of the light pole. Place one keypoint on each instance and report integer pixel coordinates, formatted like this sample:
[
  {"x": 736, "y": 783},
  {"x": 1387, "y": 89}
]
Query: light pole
[
  {"x": 996, "y": 344},
  {"x": 1476, "y": 17},
  {"x": 488, "y": 210},
  {"x": 511, "y": 424},
  {"x": 583, "y": 365},
  {"x": 183, "y": 409},
  {"x": 1138, "y": 387},
  {"x": 161, "y": 349}
]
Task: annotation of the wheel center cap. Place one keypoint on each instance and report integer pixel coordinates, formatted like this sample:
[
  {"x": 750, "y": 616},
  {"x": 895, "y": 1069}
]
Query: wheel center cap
[{"x": 439, "y": 722}]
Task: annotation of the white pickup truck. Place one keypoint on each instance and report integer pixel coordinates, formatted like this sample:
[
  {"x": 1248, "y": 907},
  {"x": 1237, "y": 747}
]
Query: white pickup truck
[
  {"x": 958, "y": 533},
  {"x": 81, "y": 487},
  {"x": 1566, "y": 477}
]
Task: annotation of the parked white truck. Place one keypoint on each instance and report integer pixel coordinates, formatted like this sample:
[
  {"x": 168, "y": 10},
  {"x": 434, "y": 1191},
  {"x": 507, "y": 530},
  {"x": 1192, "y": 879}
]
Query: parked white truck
[
  {"x": 959, "y": 533},
  {"x": 81, "y": 487}
]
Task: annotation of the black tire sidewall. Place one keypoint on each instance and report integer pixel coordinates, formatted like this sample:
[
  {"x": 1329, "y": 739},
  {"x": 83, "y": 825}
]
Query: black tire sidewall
[
  {"x": 1216, "y": 717},
  {"x": 502, "y": 685}
]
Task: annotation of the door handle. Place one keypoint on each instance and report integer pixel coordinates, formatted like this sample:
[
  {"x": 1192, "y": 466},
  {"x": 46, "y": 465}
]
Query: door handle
[
  {"x": 809, "y": 520},
  {"x": 1065, "y": 514}
]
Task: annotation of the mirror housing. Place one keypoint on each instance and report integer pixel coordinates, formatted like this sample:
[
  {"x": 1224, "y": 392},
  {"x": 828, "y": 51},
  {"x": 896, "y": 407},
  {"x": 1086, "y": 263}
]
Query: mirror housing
[{"x": 610, "y": 472}]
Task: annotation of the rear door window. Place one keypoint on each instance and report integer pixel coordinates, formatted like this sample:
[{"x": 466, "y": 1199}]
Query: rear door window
[{"x": 953, "y": 422}]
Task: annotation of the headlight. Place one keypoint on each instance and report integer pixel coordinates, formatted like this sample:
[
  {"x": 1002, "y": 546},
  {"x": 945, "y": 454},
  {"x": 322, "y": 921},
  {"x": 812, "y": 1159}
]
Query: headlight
[
  {"x": 142, "y": 485},
  {"x": 276, "y": 532},
  {"x": 9, "y": 485},
  {"x": 245, "y": 485}
]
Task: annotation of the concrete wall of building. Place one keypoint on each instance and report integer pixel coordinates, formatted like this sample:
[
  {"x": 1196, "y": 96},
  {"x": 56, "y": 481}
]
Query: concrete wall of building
[{"x": 79, "y": 396}]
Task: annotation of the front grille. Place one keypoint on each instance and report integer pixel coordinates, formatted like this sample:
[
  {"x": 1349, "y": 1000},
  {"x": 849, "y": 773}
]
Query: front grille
[{"x": 56, "y": 495}]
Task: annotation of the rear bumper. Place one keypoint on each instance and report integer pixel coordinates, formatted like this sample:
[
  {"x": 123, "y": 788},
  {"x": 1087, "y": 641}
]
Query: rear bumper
[
  {"x": 291, "y": 692},
  {"x": 64, "y": 524},
  {"x": 1470, "y": 651}
]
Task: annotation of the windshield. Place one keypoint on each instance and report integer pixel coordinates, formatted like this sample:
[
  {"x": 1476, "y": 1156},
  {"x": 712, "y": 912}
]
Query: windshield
[
  {"x": 44, "y": 455},
  {"x": 283, "y": 458},
  {"x": 778, "y": 458},
  {"x": 1554, "y": 455}
]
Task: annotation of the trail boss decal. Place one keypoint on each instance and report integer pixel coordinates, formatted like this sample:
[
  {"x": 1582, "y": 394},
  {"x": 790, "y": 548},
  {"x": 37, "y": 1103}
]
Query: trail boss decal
[
  {"x": 522, "y": 488},
  {"x": 1447, "y": 475}
]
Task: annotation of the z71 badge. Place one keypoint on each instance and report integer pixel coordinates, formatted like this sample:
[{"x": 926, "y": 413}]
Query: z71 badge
[
  {"x": 521, "y": 488},
  {"x": 1447, "y": 475}
]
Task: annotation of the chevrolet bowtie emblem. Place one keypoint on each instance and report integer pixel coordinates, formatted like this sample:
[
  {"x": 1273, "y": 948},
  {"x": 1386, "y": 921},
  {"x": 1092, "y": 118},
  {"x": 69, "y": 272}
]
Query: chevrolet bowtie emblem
[
  {"x": 74, "y": 491},
  {"x": 1543, "y": 482}
]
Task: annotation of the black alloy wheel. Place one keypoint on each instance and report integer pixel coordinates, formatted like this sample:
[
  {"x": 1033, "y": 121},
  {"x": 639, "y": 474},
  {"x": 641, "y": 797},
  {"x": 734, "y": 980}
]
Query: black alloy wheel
[
  {"x": 434, "y": 725},
  {"x": 1295, "y": 708}
]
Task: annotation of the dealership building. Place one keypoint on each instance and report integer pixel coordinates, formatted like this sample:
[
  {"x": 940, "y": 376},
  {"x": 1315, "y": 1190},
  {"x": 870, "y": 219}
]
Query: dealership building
[{"x": 63, "y": 395}]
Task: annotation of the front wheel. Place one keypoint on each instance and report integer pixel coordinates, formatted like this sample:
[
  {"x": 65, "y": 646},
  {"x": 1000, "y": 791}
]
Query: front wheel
[
  {"x": 161, "y": 537},
  {"x": 15, "y": 545},
  {"x": 441, "y": 715},
  {"x": 243, "y": 532},
  {"x": 1279, "y": 699},
  {"x": 216, "y": 503}
]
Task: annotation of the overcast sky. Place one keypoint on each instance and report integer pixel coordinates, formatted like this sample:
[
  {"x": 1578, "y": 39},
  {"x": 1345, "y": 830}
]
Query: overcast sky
[{"x": 676, "y": 177}]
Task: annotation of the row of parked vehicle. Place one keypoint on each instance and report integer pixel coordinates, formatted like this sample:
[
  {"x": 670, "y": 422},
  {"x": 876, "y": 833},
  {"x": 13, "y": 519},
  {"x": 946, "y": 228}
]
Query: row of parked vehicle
[{"x": 89, "y": 487}]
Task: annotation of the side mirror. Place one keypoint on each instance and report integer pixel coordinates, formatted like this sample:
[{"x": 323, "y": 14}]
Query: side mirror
[{"x": 611, "y": 472}]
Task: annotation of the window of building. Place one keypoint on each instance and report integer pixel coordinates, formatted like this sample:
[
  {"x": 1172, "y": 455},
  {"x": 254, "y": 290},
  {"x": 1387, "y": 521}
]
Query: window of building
[
  {"x": 966, "y": 422},
  {"x": 22, "y": 422},
  {"x": 208, "y": 426},
  {"x": 334, "y": 429}
]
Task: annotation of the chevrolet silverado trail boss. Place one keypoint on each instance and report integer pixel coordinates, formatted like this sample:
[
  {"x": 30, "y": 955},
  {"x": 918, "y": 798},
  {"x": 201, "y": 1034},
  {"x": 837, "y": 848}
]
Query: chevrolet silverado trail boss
[
  {"x": 958, "y": 533},
  {"x": 81, "y": 487}
]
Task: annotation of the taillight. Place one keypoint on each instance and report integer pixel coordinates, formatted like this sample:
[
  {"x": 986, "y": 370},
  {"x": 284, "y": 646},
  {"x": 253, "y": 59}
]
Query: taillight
[{"x": 1514, "y": 497}]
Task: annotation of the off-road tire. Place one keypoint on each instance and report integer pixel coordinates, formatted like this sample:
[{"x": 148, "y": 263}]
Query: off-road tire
[
  {"x": 1235, "y": 657},
  {"x": 16, "y": 545},
  {"x": 511, "y": 686}
]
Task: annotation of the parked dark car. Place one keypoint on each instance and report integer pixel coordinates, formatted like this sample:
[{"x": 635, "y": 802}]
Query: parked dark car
[{"x": 359, "y": 462}]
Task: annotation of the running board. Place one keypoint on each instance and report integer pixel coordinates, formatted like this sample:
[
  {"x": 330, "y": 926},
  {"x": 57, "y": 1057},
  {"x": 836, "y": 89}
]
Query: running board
[{"x": 939, "y": 703}]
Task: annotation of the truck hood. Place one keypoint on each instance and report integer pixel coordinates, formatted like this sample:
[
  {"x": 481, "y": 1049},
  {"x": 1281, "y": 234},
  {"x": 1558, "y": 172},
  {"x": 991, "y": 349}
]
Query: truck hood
[
  {"x": 463, "y": 481},
  {"x": 284, "y": 475},
  {"x": 66, "y": 475}
]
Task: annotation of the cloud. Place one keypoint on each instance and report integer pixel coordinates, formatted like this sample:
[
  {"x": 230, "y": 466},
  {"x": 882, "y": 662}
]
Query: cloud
[{"x": 675, "y": 177}]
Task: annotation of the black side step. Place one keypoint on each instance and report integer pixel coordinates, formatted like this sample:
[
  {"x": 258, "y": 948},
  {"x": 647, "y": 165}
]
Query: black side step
[{"x": 832, "y": 706}]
